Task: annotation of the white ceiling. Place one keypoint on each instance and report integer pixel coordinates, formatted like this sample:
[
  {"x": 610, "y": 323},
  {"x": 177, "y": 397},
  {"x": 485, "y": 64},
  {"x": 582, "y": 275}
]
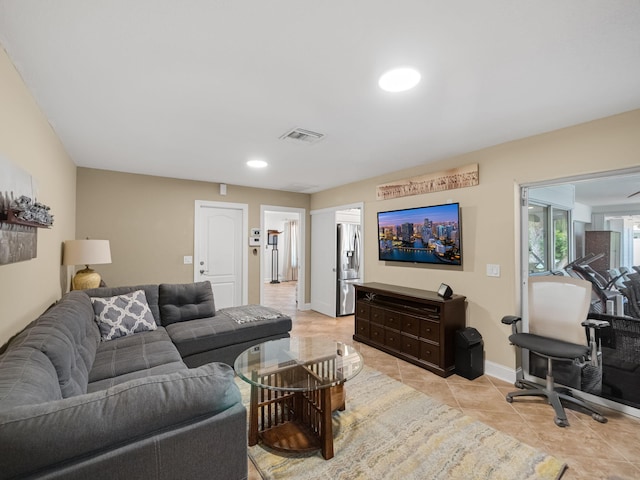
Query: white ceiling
[{"x": 193, "y": 89}]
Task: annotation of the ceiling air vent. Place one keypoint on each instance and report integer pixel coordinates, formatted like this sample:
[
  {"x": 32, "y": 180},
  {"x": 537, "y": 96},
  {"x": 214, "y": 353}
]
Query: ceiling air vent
[{"x": 300, "y": 135}]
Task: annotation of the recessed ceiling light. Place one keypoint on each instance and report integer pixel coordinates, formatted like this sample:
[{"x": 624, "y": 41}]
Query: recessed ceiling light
[
  {"x": 399, "y": 79},
  {"x": 257, "y": 163}
]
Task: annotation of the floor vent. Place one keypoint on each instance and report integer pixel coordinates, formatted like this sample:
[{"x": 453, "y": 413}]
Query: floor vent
[{"x": 300, "y": 135}]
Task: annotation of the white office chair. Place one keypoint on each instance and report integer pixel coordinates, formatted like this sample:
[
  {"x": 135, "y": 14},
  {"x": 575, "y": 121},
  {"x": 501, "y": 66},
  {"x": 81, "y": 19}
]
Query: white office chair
[{"x": 557, "y": 313}]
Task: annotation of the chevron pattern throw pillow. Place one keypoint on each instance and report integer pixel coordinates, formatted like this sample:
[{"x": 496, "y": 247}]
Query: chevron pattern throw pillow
[{"x": 123, "y": 315}]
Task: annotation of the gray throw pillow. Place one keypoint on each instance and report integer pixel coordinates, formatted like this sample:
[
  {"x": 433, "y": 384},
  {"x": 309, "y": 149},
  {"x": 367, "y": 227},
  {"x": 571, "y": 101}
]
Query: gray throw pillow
[{"x": 123, "y": 315}]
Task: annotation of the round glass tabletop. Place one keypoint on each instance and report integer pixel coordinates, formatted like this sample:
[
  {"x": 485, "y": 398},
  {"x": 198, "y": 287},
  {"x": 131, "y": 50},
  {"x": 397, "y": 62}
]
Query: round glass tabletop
[{"x": 298, "y": 364}]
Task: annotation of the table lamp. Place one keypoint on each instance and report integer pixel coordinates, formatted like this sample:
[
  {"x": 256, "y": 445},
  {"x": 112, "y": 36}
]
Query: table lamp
[{"x": 86, "y": 252}]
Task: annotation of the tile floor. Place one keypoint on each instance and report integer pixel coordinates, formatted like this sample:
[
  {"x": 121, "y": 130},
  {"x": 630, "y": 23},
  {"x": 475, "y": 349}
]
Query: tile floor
[{"x": 592, "y": 450}]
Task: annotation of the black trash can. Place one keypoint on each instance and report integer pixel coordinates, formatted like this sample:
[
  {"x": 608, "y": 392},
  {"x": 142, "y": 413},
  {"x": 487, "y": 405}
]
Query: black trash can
[{"x": 469, "y": 355}]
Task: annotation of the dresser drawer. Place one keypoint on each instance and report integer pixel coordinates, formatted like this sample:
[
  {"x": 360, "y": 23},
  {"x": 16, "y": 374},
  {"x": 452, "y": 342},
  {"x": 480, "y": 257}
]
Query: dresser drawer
[
  {"x": 430, "y": 330},
  {"x": 362, "y": 327},
  {"x": 376, "y": 315},
  {"x": 392, "y": 319},
  {"x": 410, "y": 346},
  {"x": 362, "y": 310},
  {"x": 376, "y": 333},
  {"x": 430, "y": 353},
  {"x": 393, "y": 339},
  {"x": 411, "y": 325}
]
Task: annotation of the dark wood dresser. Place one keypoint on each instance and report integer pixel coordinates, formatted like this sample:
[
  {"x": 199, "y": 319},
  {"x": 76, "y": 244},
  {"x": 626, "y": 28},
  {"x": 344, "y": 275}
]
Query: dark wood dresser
[{"x": 415, "y": 325}]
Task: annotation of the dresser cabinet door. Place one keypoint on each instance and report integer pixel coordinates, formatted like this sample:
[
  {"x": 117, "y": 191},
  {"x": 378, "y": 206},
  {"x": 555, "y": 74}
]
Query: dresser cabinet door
[
  {"x": 376, "y": 333},
  {"x": 362, "y": 327},
  {"x": 430, "y": 353},
  {"x": 430, "y": 330},
  {"x": 411, "y": 325},
  {"x": 376, "y": 315},
  {"x": 410, "y": 346},
  {"x": 392, "y": 339},
  {"x": 362, "y": 310},
  {"x": 392, "y": 319}
]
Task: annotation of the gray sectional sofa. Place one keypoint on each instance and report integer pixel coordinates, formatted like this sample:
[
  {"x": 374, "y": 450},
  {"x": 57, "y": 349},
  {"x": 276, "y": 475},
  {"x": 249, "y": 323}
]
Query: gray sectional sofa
[{"x": 87, "y": 391}]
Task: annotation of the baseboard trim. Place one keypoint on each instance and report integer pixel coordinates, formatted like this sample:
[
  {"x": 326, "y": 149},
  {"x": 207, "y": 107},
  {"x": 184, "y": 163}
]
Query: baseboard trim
[{"x": 499, "y": 371}]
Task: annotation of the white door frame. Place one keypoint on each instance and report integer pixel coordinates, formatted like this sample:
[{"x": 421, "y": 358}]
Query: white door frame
[
  {"x": 522, "y": 248},
  {"x": 302, "y": 213},
  {"x": 359, "y": 205},
  {"x": 245, "y": 239}
]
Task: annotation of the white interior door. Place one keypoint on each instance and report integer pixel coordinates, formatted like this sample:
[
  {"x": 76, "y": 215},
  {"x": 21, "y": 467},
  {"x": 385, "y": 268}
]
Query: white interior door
[
  {"x": 323, "y": 262},
  {"x": 220, "y": 253}
]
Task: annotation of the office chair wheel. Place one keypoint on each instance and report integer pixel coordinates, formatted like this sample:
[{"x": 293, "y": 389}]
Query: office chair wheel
[
  {"x": 509, "y": 399},
  {"x": 560, "y": 423},
  {"x": 599, "y": 418}
]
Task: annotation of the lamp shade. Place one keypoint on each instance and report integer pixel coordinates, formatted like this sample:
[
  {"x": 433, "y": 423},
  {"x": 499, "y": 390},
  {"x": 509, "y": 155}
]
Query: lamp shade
[{"x": 86, "y": 252}]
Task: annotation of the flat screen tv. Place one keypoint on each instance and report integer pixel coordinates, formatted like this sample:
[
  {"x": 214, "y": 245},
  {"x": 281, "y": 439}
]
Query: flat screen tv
[{"x": 421, "y": 235}]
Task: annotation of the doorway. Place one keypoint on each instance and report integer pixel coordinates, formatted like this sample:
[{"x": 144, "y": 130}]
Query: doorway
[
  {"x": 282, "y": 269},
  {"x": 588, "y": 227},
  {"x": 324, "y": 254}
]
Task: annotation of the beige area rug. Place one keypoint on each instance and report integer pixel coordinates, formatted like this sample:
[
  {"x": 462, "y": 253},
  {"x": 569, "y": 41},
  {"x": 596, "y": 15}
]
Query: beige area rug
[{"x": 391, "y": 431}]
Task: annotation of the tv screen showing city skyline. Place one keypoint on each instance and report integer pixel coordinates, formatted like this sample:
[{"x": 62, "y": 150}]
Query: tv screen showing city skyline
[{"x": 428, "y": 234}]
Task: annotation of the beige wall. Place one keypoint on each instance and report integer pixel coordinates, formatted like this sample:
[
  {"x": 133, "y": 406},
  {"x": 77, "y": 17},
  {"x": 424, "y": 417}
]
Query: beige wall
[
  {"x": 150, "y": 220},
  {"x": 490, "y": 216},
  {"x": 27, "y": 140}
]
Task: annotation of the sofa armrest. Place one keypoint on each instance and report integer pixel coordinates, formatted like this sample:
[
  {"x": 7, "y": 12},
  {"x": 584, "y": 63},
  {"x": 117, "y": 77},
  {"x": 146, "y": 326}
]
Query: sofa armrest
[{"x": 33, "y": 437}]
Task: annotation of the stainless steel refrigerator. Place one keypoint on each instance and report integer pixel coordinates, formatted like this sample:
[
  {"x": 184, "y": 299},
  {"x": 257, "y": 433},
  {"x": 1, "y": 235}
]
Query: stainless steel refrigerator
[{"x": 348, "y": 267}]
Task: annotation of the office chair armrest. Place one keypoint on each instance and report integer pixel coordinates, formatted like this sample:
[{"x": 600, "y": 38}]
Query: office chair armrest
[
  {"x": 510, "y": 319},
  {"x": 597, "y": 324},
  {"x": 593, "y": 324},
  {"x": 513, "y": 321},
  {"x": 606, "y": 319}
]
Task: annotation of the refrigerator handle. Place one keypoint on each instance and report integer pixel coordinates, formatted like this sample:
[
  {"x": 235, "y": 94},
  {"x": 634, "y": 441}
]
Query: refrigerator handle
[{"x": 356, "y": 248}]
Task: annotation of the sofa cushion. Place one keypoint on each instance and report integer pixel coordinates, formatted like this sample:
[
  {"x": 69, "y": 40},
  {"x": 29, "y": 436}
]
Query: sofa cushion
[
  {"x": 27, "y": 377},
  {"x": 123, "y": 315},
  {"x": 133, "y": 353},
  {"x": 182, "y": 302},
  {"x": 68, "y": 336},
  {"x": 222, "y": 330},
  {"x": 36, "y": 436},
  {"x": 162, "y": 369},
  {"x": 150, "y": 291}
]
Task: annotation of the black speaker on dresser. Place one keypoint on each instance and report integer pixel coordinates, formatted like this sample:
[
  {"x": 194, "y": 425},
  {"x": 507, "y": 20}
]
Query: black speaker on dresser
[{"x": 469, "y": 353}]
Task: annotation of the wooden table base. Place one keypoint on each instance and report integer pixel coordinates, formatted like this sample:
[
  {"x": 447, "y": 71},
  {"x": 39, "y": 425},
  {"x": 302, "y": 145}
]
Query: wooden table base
[{"x": 294, "y": 421}]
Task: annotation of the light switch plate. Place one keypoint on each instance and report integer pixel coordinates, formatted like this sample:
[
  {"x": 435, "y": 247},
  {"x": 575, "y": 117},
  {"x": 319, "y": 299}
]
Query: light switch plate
[
  {"x": 188, "y": 259},
  {"x": 493, "y": 270}
]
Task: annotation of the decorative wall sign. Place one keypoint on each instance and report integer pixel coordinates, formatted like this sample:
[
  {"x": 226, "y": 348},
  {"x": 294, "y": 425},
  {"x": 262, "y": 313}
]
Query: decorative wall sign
[
  {"x": 19, "y": 214},
  {"x": 434, "y": 182},
  {"x": 17, "y": 243}
]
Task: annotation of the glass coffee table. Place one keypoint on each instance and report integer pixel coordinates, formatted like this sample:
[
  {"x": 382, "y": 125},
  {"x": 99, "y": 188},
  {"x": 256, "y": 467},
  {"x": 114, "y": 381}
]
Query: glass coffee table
[{"x": 296, "y": 383}]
